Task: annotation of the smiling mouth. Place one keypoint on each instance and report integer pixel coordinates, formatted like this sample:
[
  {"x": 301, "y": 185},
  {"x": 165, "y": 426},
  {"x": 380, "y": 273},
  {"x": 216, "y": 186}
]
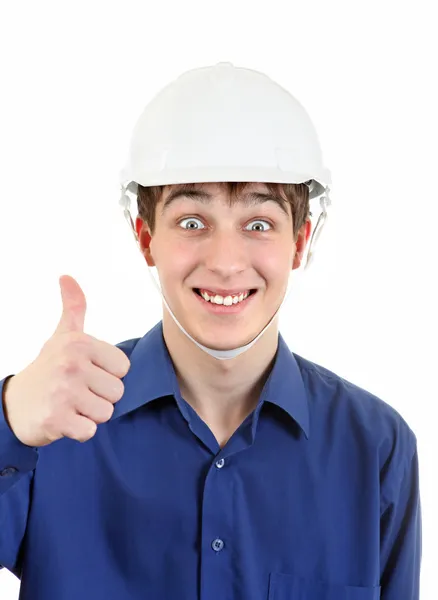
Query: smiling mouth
[
  {"x": 197, "y": 291},
  {"x": 226, "y": 305}
]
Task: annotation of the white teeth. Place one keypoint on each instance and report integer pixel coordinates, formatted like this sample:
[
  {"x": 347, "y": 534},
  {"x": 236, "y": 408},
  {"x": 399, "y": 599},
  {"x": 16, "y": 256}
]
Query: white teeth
[{"x": 227, "y": 301}]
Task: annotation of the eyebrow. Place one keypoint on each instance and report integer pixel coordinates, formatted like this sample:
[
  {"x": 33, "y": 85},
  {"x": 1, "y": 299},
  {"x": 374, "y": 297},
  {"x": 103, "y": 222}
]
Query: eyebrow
[{"x": 249, "y": 199}]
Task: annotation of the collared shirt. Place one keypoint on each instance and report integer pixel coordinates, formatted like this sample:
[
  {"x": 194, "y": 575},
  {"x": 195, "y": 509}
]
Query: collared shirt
[{"x": 315, "y": 496}]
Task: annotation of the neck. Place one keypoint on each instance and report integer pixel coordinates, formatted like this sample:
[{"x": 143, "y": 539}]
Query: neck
[{"x": 223, "y": 392}]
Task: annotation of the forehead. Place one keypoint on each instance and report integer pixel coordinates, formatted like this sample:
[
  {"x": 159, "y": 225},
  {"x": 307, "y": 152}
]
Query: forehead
[
  {"x": 216, "y": 188},
  {"x": 247, "y": 194}
]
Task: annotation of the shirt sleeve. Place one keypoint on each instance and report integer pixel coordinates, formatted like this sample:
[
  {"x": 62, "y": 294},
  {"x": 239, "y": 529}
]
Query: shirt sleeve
[
  {"x": 401, "y": 537},
  {"x": 17, "y": 465}
]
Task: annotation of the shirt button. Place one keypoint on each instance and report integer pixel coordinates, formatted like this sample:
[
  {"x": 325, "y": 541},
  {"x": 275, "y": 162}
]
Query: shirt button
[
  {"x": 220, "y": 463},
  {"x": 8, "y": 471},
  {"x": 217, "y": 545}
]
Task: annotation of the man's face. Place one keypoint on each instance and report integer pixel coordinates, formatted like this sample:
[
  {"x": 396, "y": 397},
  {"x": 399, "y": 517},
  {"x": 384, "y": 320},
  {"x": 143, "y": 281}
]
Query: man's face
[{"x": 200, "y": 242}]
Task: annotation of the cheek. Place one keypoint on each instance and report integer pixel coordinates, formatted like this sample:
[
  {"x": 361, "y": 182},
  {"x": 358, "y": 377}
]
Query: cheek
[
  {"x": 274, "y": 266},
  {"x": 175, "y": 263}
]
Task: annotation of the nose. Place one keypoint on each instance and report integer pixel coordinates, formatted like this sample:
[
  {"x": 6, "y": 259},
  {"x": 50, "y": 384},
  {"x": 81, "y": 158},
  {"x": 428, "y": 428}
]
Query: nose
[{"x": 226, "y": 253}]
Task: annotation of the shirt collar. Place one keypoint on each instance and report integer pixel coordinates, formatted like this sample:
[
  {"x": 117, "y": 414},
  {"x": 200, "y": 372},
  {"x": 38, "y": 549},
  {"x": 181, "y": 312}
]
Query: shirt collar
[{"x": 152, "y": 376}]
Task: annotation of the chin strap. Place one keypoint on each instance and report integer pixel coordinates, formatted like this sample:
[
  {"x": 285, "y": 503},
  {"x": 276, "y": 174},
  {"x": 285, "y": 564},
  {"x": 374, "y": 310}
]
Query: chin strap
[{"x": 324, "y": 202}]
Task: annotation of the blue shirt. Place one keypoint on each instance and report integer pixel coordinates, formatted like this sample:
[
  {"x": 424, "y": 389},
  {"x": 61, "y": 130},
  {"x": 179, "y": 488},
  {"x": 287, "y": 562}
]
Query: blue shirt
[{"x": 315, "y": 496}]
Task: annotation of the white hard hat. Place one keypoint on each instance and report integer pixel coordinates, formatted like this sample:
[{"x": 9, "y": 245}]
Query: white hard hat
[{"x": 224, "y": 123}]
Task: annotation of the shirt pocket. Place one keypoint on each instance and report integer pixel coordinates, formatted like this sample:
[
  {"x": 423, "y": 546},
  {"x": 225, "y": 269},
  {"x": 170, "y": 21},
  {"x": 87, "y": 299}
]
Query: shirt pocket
[{"x": 284, "y": 586}]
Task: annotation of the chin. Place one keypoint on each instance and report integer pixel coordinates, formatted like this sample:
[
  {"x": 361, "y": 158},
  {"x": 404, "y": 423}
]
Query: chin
[{"x": 229, "y": 341}]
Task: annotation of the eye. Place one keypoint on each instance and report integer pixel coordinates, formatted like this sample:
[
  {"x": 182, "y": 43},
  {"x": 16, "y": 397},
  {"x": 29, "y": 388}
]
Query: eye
[
  {"x": 261, "y": 221},
  {"x": 190, "y": 220},
  {"x": 194, "y": 220}
]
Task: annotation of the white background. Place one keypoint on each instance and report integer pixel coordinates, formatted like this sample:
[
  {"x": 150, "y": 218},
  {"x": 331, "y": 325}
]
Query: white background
[{"x": 76, "y": 75}]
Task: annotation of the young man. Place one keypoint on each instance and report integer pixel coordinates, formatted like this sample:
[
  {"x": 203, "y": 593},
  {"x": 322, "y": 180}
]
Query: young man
[
  {"x": 241, "y": 252},
  {"x": 225, "y": 465}
]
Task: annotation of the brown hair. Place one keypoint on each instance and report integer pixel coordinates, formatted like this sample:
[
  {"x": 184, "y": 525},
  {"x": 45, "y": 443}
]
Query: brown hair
[{"x": 296, "y": 194}]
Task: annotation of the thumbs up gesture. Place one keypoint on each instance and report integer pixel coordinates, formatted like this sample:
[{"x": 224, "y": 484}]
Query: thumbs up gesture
[{"x": 71, "y": 386}]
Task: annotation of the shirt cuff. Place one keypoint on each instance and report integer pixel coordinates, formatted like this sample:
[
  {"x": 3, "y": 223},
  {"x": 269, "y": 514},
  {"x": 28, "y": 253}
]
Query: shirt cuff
[{"x": 16, "y": 458}]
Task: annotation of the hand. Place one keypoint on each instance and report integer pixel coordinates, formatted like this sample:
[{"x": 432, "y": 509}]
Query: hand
[{"x": 71, "y": 386}]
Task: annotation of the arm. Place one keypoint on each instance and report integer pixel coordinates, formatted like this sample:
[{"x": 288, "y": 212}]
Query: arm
[
  {"x": 17, "y": 464},
  {"x": 401, "y": 537}
]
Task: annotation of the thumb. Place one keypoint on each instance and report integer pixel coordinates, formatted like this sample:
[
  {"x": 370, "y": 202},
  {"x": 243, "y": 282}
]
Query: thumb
[{"x": 74, "y": 305}]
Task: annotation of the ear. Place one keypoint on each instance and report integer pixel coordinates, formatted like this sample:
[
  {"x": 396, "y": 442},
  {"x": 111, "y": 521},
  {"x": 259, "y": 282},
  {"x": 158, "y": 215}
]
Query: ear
[
  {"x": 144, "y": 238},
  {"x": 301, "y": 243}
]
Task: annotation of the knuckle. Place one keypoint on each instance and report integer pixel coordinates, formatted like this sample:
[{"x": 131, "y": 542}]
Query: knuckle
[
  {"x": 69, "y": 366},
  {"x": 119, "y": 389},
  {"x": 90, "y": 432},
  {"x": 105, "y": 412},
  {"x": 63, "y": 394},
  {"x": 77, "y": 344},
  {"x": 86, "y": 435},
  {"x": 125, "y": 364},
  {"x": 109, "y": 411},
  {"x": 77, "y": 339},
  {"x": 51, "y": 426}
]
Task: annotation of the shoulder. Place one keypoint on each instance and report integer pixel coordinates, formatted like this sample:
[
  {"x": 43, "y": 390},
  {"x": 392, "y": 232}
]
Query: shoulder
[
  {"x": 326, "y": 386},
  {"x": 366, "y": 415}
]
